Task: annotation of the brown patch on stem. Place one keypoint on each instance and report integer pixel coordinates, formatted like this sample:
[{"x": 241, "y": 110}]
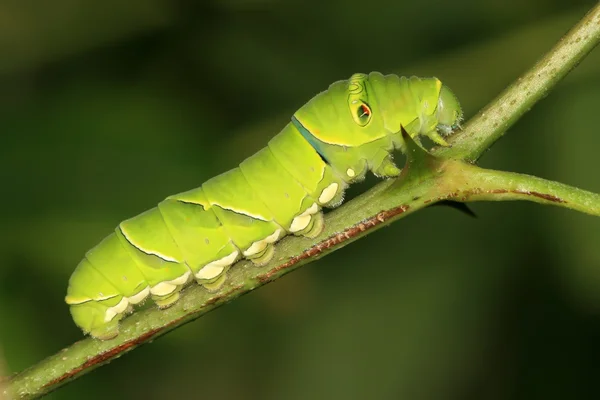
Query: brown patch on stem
[
  {"x": 478, "y": 191},
  {"x": 102, "y": 357},
  {"x": 215, "y": 299},
  {"x": 336, "y": 239},
  {"x": 496, "y": 191},
  {"x": 545, "y": 196}
]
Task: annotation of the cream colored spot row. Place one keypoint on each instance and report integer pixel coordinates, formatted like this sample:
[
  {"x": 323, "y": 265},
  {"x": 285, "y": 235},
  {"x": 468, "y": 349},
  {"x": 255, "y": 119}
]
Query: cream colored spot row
[
  {"x": 148, "y": 251},
  {"x": 182, "y": 280},
  {"x": 328, "y": 193},
  {"x": 301, "y": 221},
  {"x": 138, "y": 298},
  {"x": 115, "y": 310},
  {"x": 162, "y": 289},
  {"x": 167, "y": 287},
  {"x": 350, "y": 172},
  {"x": 215, "y": 268},
  {"x": 260, "y": 245},
  {"x": 125, "y": 301}
]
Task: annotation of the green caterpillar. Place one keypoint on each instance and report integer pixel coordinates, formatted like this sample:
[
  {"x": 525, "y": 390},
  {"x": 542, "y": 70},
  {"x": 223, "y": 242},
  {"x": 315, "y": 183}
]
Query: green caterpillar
[{"x": 331, "y": 142}]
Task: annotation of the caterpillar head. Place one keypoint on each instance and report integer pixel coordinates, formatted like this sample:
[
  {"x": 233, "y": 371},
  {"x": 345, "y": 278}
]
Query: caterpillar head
[
  {"x": 448, "y": 113},
  {"x": 366, "y": 108},
  {"x": 355, "y": 124},
  {"x": 346, "y": 114},
  {"x": 423, "y": 106}
]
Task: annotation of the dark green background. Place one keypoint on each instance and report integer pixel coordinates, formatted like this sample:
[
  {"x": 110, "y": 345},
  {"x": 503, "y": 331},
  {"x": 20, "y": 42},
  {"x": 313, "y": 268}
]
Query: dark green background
[{"x": 108, "y": 107}]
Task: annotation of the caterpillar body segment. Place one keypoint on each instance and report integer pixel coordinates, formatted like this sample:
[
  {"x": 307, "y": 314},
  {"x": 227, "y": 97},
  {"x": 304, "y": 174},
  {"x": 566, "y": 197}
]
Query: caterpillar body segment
[{"x": 331, "y": 142}]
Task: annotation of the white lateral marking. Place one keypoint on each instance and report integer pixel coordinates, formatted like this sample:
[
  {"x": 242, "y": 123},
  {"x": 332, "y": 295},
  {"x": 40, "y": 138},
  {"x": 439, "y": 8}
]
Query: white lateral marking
[
  {"x": 138, "y": 298},
  {"x": 328, "y": 193},
  {"x": 301, "y": 221},
  {"x": 350, "y": 172},
  {"x": 323, "y": 171},
  {"x": 181, "y": 280},
  {"x": 118, "y": 309},
  {"x": 312, "y": 209},
  {"x": 260, "y": 245},
  {"x": 79, "y": 300},
  {"x": 243, "y": 212},
  {"x": 102, "y": 297},
  {"x": 162, "y": 289},
  {"x": 215, "y": 268},
  {"x": 209, "y": 272},
  {"x": 71, "y": 300},
  {"x": 148, "y": 251}
]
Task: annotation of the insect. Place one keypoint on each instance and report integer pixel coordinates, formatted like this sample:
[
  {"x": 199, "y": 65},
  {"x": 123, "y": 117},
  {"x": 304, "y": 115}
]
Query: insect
[{"x": 330, "y": 142}]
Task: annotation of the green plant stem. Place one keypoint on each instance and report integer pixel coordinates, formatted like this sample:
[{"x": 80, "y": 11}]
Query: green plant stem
[
  {"x": 476, "y": 184},
  {"x": 425, "y": 181},
  {"x": 385, "y": 203},
  {"x": 495, "y": 119}
]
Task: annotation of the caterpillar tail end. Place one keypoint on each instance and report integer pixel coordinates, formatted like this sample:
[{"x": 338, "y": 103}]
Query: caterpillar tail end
[
  {"x": 91, "y": 318},
  {"x": 107, "y": 331}
]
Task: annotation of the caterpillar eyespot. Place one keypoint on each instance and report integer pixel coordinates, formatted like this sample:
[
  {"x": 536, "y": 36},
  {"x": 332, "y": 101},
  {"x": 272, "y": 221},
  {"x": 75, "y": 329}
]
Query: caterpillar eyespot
[
  {"x": 242, "y": 213},
  {"x": 362, "y": 114}
]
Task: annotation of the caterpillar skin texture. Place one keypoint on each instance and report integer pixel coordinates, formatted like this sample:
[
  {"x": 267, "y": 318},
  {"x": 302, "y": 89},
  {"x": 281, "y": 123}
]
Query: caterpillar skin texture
[{"x": 331, "y": 142}]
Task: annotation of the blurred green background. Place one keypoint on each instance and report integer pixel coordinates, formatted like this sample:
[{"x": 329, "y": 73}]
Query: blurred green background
[{"x": 108, "y": 107}]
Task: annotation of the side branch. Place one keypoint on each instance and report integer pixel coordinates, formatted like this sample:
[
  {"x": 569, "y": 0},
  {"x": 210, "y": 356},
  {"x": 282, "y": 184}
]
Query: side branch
[{"x": 472, "y": 183}]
